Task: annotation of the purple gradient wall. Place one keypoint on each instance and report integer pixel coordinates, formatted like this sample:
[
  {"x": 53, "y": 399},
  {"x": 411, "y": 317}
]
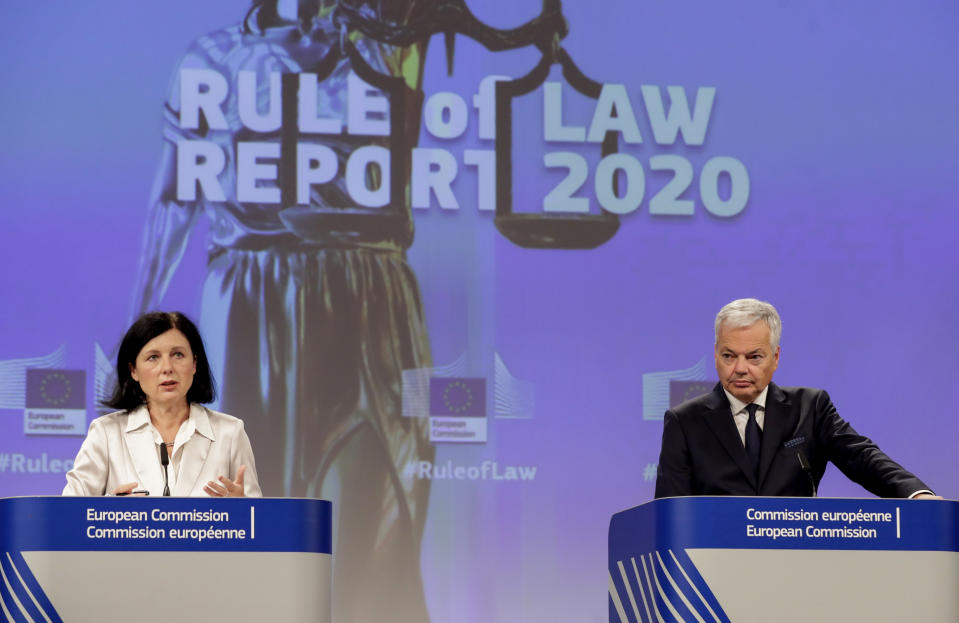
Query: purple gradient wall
[{"x": 846, "y": 118}]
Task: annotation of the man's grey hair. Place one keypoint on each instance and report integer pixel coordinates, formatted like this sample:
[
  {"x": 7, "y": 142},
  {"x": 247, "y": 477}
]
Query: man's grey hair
[{"x": 746, "y": 313}]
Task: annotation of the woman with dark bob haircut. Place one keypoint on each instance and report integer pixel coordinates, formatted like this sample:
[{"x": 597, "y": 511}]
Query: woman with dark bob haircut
[{"x": 162, "y": 441}]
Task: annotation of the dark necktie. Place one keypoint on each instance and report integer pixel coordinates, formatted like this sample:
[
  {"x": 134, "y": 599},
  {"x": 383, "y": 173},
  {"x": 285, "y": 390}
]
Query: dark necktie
[{"x": 753, "y": 438}]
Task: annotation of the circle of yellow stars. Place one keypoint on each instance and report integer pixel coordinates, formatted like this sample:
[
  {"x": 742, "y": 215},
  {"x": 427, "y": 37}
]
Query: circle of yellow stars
[
  {"x": 464, "y": 404},
  {"x": 55, "y": 381}
]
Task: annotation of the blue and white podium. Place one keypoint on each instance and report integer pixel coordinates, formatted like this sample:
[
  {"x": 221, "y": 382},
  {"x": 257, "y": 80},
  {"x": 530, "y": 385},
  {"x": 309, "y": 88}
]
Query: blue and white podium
[
  {"x": 785, "y": 559},
  {"x": 164, "y": 559}
]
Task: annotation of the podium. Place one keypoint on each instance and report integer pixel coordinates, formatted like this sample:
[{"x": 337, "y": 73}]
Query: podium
[
  {"x": 738, "y": 559},
  {"x": 164, "y": 559}
]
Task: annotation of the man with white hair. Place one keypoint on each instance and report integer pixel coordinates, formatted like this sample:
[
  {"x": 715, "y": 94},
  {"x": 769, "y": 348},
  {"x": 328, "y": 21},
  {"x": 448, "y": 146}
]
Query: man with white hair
[{"x": 751, "y": 437}]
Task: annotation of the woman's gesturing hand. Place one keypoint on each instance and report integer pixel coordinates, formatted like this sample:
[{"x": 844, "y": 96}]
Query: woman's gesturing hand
[{"x": 226, "y": 487}]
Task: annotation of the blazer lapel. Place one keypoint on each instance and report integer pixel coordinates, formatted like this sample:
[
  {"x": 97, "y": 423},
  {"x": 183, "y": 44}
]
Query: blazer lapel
[
  {"x": 776, "y": 426},
  {"x": 143, "y": 451},
  {"x": 195, "y": 452},
  {"x": 720, "y": 420}
]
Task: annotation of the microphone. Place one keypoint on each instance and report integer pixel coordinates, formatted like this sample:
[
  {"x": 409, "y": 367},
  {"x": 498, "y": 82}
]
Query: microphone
[
  {"x": 806, "y": 467},
  {"x": 164, "y": 461}
]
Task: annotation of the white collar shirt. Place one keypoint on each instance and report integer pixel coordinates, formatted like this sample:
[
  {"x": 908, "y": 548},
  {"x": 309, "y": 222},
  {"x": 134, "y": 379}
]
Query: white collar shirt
[
  {"x": 197, "y": 423},
  {"x": 123, "y": 447},
  {"x": 741, "y": 415}
]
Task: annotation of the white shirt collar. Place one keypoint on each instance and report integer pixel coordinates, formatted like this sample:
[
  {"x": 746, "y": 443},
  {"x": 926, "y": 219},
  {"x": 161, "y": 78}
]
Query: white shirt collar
[
  {"x": 199, "y": 421},
  {"x": 736, "y": 405},
  {"x": 138, "y": 418}
]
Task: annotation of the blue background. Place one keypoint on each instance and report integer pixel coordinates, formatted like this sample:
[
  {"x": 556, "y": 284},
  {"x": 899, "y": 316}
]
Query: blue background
[{"x": 845, "y": 115}]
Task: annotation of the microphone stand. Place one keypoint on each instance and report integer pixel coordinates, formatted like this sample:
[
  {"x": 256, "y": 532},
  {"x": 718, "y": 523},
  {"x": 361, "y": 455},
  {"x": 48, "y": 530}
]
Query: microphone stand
[
  {"x": 806, "y": 467},
  {"x": 165, "y": 461}
]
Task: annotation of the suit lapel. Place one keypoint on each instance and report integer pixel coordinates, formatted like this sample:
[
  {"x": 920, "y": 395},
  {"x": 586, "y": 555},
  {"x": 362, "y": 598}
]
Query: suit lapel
[
  {"x": 195, "y": 452},
  {"x": 776, "y": 426},
  {"x": 719, "y": 418},
  {"x": 143, "y": 451}
]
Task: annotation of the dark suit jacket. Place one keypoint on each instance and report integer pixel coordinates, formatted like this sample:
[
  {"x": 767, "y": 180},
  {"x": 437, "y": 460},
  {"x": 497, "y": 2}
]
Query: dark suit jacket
[{"x": 703, "y": 453}]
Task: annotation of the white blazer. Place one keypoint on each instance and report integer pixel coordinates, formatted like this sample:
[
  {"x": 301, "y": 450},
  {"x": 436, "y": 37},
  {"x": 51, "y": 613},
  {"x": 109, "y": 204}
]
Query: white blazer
[{"x": 121, "y": 448}]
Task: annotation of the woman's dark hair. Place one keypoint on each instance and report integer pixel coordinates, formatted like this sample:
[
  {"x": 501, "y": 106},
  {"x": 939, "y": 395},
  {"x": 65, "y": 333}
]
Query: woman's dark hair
[{"x": 127, "y": 395}]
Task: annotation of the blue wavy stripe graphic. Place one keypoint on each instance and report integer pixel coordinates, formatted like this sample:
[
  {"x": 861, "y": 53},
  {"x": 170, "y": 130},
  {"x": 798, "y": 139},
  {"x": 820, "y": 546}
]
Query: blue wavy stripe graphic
[
  {"x": 655, "y": 602},
  {"x": 700, "y": 584},
  {"x": 662, "y": 586},
  {"x": 27, "y": 590},
  {"x": 675, "y": 586},
  {"x": 9, "y": 605},
  {"x": 644, "y": 597},
  {"x": 671, "y": 605},
  {"x": 685, "y": 595},
  {"x": 644, "y": 589},
  {"x": 634, "y": 597}
]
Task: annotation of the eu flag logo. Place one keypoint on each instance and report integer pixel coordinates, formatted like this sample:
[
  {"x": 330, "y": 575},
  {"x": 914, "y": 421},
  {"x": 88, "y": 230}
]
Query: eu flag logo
[
  {"x": 457, "y": 397},
  {"x": 681, "y": 391},
  {"x": 56, "y": 389},
  {"x": 55, "y": 402},
  {"x": 457, "y": 410}
]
